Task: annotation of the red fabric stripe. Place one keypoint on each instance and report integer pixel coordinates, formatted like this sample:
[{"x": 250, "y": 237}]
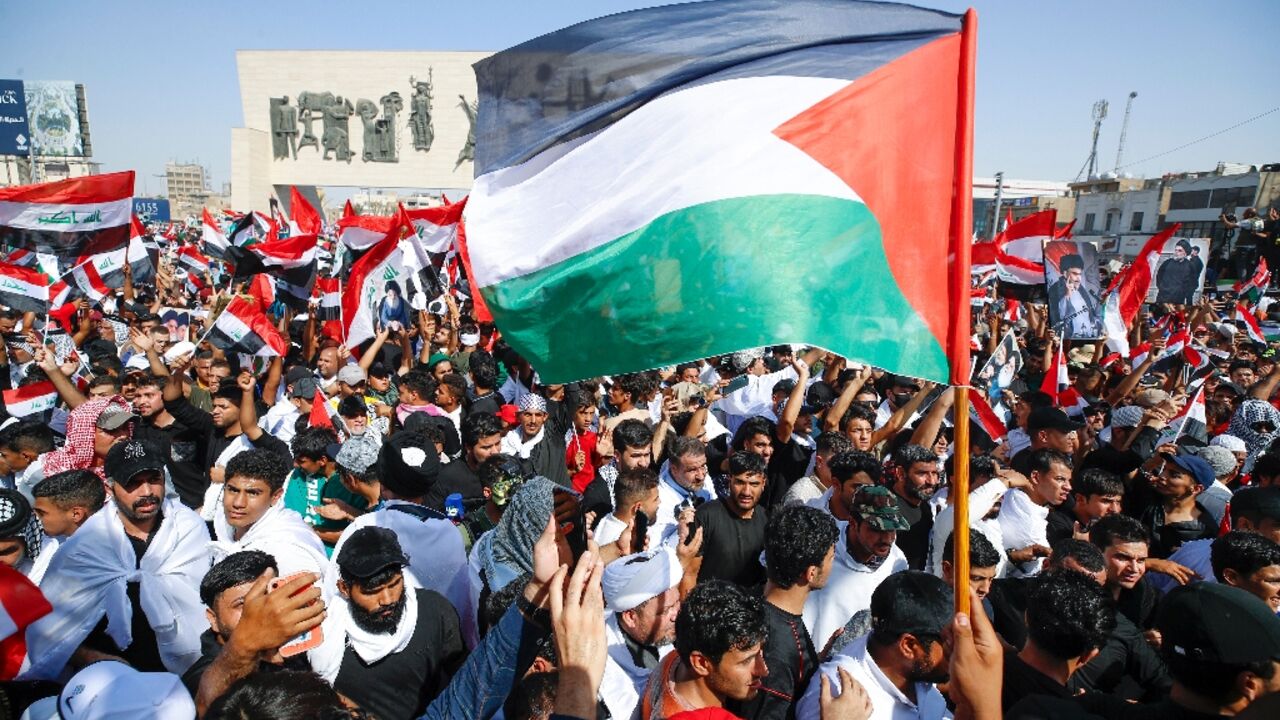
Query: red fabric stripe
[{"x": 76, "y": 191}]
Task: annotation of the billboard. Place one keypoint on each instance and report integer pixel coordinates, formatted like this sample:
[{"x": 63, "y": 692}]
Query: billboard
[
  {"x": 53, "y": 114},
  {"x": 15, "y": 137},
  {"x": 151, "y": 210}
]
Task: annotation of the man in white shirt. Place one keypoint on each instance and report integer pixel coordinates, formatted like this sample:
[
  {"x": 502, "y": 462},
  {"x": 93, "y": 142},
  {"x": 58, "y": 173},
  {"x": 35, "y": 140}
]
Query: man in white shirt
[
  {"x": 902, "y": 658},
  {"x": 682, "y": 483},
  {"x": 866, "y": 554},
  {"x": 642, "y": 597},
  {"x": 634, "y": 492},
  {"x": 1024, "y": 513},
  {"x": 754, "y": 392}
]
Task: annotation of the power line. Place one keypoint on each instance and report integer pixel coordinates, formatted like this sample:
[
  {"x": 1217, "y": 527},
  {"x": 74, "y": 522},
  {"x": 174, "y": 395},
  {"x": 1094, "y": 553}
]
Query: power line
[{"x": 1200, "y": 140}]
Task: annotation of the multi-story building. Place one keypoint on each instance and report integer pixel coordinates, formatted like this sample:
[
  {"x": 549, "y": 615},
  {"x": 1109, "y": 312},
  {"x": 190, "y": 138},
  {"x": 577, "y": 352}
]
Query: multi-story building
[{"x": 188, "y": 188}]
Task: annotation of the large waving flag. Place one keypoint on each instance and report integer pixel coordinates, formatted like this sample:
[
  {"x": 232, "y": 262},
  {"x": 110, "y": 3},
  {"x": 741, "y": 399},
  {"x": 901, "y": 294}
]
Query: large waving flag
[
  {"x": 242, "y": 328},
  {"x": 1128, "y": 291},
  {"x": 214, "y": 240},
  {"x": 361, "y": 232},
  {"x": 733, "y": 174},
  {"x": 376, "y": 288},
  {"x": 1019, "y": 255},
  {"x": 303, "y": 219},
  {"x": 62, "y": 217}
]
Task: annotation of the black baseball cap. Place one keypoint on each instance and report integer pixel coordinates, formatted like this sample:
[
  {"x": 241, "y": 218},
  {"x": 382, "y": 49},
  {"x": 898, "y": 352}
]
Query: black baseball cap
[
  {"x": 128, "y": 458},
  {"x": 912, "y": 603},
  {"x": 379, "y": 370},
  {"x": 820, "y": 395},
  {"x": 369, "y": 551},
  {"x": 1216, "y": 623},
  {"x": 1050, "y": 418}
]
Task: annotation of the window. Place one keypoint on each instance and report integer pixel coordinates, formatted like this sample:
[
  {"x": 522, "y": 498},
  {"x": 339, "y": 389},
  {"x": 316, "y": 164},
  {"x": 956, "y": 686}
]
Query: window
[
  {"x": 1089, "y": 220},
  {"x": 1189, "y": 200},
  {"x": 1135, "y": 222},
  {"x": 1112, "y": 216},
  {"x": 1233, "y": 197}
]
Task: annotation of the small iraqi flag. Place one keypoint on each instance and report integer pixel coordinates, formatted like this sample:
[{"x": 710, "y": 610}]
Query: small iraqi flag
[
  {"x": 21, "y": 604},
  {"x": 31, "y": 399},
  {"x": 1250, "y": 322},
  {"x": 23, "y": 289},
  {"x": 329, "y": 291},
  {"x": 243, "y": 328},
  {"x": 193, "y": 260}
]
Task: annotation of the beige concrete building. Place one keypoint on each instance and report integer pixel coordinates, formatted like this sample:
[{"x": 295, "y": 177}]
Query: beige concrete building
[{"x": 352, "y": 118}]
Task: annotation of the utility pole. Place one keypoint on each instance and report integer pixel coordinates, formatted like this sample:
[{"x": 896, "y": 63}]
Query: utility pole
[
  {"x": 995, "y": 210},
  {"x": 1124, "y": 131}
]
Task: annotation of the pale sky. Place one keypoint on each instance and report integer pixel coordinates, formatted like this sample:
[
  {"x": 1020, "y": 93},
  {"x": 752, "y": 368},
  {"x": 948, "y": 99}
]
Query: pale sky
[{"x": 161, "y": 76}]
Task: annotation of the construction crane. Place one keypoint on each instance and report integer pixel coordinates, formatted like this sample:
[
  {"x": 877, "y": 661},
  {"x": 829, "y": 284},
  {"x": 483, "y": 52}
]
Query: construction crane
[
  {"x": 1124, "y": 130},
  {"x": 1091, "y": 165}
]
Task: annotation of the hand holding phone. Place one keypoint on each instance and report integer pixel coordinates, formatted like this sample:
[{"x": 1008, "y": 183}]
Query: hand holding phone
[{"x": 308, "y": 639}]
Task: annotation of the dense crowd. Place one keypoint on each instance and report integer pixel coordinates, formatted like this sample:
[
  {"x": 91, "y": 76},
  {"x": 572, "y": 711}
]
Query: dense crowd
[{"x": 419, "y": 527}]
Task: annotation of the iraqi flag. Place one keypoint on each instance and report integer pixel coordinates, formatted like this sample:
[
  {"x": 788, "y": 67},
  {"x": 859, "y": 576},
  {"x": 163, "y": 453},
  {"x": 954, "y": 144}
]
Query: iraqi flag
[
  {"x": 329, "y": 291},
  {"x": 63, "y": 217},
  {"x": 1019, "y": 255},
  {"x": 101, "y": 268},
  {"x": 291, "y": 262},
  {"x": 191, "y": 258},
  {"x": 437, "y": 227},
  {"x": 214, "y": 241},
  {"x": 31, "y": 399},
  {"x": 1056, "y": 380},
  {"x": 303, "y": 218},
  {"x": 1128, "y": 290},
  {"x": 982, "y": 413},
  {"x": 22, "y": 257},
  {"x": 23, "y": 289},
  {"x": 376, "y": 288},
  {"x": 21, "y": 604},
  {"x": 1191, "y": 421},
  {"x": 361, "y": 232},
  {"x": 243, "y": 328},
  {"x": 1249, "y": 321},
  {"x": 770, "y": 167}
]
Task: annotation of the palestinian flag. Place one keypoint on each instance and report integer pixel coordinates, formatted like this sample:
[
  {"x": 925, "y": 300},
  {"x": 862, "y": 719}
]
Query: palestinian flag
[
  {"x": 252, "y": 228},
  {"x": 1019, "y": 255},
  {"x": 1128, "y": 290},
  {"x": 215, "y": 242},
  {"x": 63, "y": 217},
  {"x": 23, "y": 289},
  {"x": 330, "y": 292},
  {"x": 243, "y": 328},
  {"x": 303, "y": 218},
  {"x": 728, "y": 184},
  {"x": 190, "y": 258},
  {"x": 31, "y": 399},
  {"x": 1247, "y": 319}
]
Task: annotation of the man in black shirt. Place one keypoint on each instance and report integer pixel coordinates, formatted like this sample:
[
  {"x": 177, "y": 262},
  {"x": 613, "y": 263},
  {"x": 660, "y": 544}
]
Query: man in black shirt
[
  {"x": 177, "y": 442},
  {"x": 481, "y": 439},
  {"x": 1095, "y": 494},
  {"x": 733, "y": 527},
  {"x": 484, "y": 381},
  {"x": 800, "y": 546},
  {"x": 236, "y": 594},
  {"x": 915, "y": 481},
  {"x": 1068, "y": 618},
  {"x": 403, "y": 644}
]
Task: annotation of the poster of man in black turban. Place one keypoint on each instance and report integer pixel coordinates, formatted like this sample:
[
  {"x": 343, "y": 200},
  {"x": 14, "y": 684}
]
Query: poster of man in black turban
[
  {"x": 1180, "y": 274},
  {"x": 1071, "y": 276}
]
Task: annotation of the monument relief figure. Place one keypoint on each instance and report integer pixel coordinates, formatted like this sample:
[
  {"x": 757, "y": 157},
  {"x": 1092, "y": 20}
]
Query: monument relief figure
[
  {"x": 468, "y": 152},
  {"x": 420, "y": 113},
  {"x": 336, "y": 136},
  {"x": 311, "y": 107},
  {"x": 380, "y": 133},
  {"x": 284, "y": 128}
]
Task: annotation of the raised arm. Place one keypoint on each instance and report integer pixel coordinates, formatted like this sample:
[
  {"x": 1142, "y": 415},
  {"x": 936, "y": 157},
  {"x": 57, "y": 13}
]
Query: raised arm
[
  {"x": 66, "y": 389},
  {"x": 787, "y": 422},
  {"x": 832, "y": 421},
  {"x": 931, "y": 424}
]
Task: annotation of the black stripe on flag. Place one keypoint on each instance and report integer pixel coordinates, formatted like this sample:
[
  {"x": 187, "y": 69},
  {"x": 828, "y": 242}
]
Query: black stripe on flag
[
  {"x": 62, "y": 243},
  {"x": 228, "y": 338}
]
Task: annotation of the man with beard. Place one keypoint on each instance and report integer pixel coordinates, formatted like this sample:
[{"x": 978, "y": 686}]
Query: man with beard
[
  {"x": 1178, "y": 276},
  {"x": 719, "y": 657},
  {"x": 799, "y": 553},
  {"x": 403, "y": 643},
  {"x": 248, "y": 623},
  {"x": 126, "y": 585},
  {"x": 539, "y": 440},
  {"x": 901, "y": 659},
  {"x": 915, "y": 480},
  {"x": 632, "y": 448},
  {"x": 642, "y": 599},
  {"x": 865, "y": 555},
  {"x": 635, "y": 491},
  {"x": 733, "y": 526},
  {"x": 1078, "y": 312}
]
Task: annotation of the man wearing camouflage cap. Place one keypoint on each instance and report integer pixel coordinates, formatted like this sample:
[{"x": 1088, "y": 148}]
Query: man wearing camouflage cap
[{"x": 866, "y": 554}]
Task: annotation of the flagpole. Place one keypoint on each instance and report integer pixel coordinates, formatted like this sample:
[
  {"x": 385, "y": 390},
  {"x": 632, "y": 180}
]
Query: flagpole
[{"x": 962, "y": 247}]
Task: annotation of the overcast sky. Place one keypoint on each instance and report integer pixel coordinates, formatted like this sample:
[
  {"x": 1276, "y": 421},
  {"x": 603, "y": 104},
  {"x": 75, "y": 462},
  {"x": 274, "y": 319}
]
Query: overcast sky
[{"x": 161, "y": 76}]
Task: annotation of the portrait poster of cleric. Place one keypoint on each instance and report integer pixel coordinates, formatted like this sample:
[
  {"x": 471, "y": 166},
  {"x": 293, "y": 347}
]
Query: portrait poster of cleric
[
  {"x": 1179, "y": 276},
  {"x": 1074, "y": 295},
  {"x": 998, "y": 373}
]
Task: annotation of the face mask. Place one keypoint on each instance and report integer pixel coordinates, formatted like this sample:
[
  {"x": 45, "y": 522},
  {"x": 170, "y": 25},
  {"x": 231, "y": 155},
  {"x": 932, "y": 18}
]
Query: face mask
[{"x": 901, "y": 399}]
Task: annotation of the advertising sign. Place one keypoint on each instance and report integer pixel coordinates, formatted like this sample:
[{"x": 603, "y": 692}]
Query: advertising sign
[
  {"x": 15, "y": 136},
  {"x": 150, "y": 210},
  {"x": 54, "y": 118}
]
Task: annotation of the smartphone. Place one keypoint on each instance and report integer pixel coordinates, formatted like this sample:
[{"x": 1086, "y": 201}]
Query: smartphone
[
  {"x": 639, "y": 531},
  {"x": 570, "y": 520},
  {"x": 306, "y": 641},
  {"x": 736, "y": 384}
]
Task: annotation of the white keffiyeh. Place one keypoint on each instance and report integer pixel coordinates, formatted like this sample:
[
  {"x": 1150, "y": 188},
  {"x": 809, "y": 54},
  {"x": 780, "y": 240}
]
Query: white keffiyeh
[
  {"x": 281, "y": 533},
  {"x": 89, "y": 576},
  {"x": 326, "y": 660},
  {"x": 513, "y": 443}
]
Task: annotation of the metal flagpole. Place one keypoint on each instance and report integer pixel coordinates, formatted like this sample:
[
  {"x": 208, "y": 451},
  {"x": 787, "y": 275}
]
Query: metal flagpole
[{"x": 962, "y": 246}]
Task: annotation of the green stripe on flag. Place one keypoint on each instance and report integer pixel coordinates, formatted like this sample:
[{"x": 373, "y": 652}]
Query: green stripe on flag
[{"x": 718, "y": 277}]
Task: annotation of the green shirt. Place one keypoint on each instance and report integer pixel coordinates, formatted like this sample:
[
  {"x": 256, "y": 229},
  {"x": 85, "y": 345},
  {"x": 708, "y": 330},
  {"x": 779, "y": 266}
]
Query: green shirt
[{"x": 305, "y": 494}]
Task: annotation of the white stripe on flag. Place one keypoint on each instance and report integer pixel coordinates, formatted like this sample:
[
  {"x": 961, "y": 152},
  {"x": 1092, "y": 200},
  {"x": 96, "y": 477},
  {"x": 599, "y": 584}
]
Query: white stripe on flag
[{"x": 66, "y": 218}]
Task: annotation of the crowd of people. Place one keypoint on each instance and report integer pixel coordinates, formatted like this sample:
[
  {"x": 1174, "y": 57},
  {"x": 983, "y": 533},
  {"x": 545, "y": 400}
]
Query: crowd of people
[{"x": 419, "y": 527}]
